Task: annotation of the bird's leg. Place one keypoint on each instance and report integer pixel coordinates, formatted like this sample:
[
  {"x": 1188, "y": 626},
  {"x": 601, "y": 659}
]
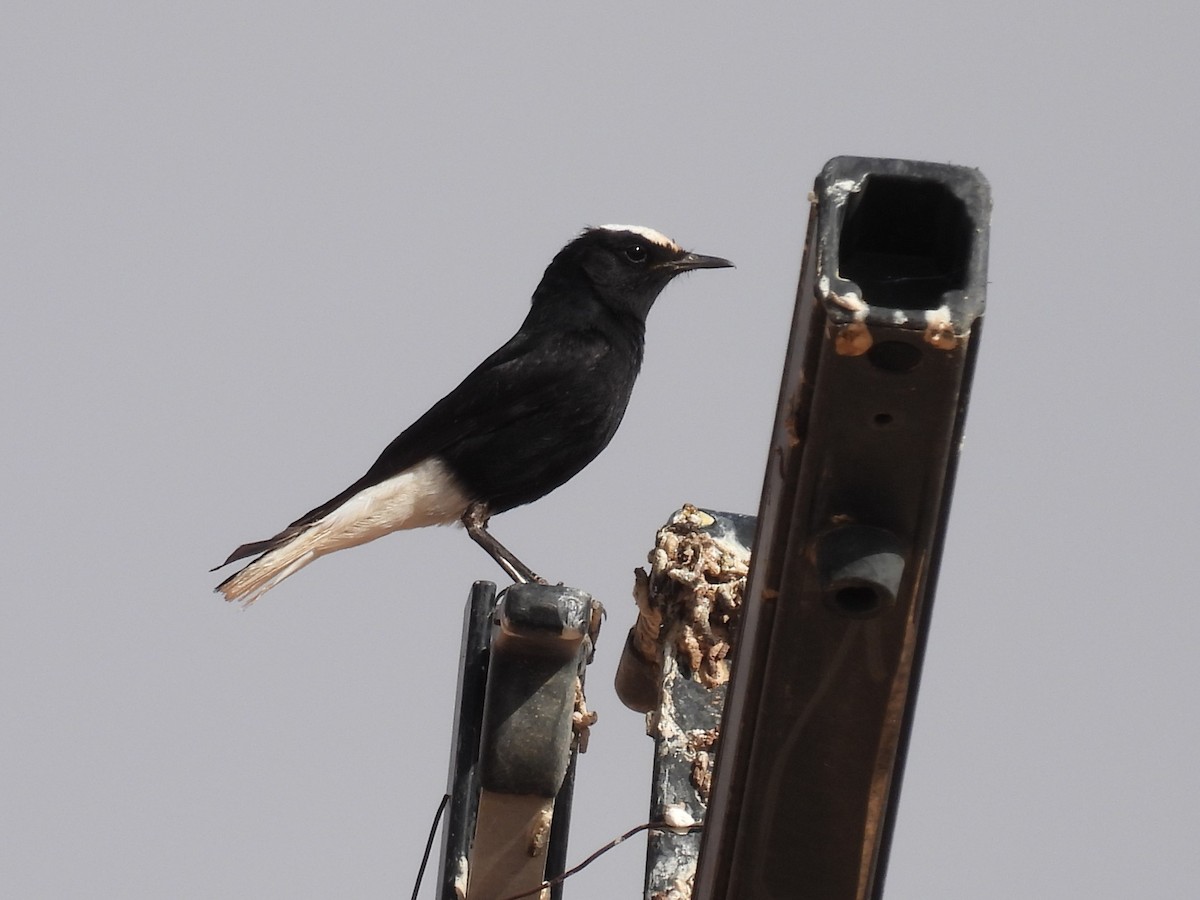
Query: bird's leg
[{"x": 475, "y": 519}]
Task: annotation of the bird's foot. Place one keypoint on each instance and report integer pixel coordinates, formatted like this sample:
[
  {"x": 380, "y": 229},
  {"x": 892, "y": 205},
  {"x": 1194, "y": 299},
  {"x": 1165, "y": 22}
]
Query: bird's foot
[{"x": 475, "y": 519}]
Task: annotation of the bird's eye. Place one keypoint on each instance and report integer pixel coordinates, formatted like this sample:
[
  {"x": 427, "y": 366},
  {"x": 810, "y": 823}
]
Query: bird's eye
[{"x": 636, "y": 253}]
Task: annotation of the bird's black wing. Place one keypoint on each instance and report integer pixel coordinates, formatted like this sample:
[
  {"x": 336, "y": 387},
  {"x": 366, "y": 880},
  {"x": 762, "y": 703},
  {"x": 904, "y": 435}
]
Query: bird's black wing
[{"x": 524, "y": 376}]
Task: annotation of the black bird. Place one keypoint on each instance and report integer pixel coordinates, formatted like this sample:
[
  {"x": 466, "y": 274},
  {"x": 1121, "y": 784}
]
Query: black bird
[{"x": 529, "y": 418}]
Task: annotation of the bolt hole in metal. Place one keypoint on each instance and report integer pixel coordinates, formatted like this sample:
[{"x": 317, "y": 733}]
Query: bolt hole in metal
[
  {"x": 883, "y": 419},
  {"x": 857, "y": 600}
]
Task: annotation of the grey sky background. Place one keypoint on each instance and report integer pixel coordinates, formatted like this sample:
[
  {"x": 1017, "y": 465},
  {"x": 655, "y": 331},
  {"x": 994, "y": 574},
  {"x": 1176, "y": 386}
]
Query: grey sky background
[{"x": 243, "y": 245}]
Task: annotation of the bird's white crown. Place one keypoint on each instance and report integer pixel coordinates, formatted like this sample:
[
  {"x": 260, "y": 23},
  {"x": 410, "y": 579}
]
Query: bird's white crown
[{"x": 656, "y": 237}]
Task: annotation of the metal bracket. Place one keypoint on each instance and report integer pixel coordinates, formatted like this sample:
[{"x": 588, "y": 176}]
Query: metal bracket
[{"x": 512, "y": 770}]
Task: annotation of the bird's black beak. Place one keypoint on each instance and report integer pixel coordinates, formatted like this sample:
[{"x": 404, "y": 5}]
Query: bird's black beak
[{"x": 690, "y": 261}]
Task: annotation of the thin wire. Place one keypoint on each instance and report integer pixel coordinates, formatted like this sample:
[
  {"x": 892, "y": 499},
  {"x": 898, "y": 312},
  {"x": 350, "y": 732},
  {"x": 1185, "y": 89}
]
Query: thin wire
[
  {"x": 558, "y": 879},
  {"x": 437, "y": 817}
]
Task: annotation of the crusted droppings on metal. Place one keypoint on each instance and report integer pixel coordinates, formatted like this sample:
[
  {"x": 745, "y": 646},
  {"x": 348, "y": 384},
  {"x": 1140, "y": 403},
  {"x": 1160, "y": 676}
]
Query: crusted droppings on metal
[
  {"x": 582, "y": 718},
  {"x": 694, "y": 591},
  {"x": 460, "y": 879},
  {"x": 539, "y": 832}
]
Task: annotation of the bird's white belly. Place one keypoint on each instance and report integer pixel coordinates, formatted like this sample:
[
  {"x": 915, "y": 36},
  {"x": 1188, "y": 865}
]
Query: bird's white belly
[{"x": 426, "y": 494}]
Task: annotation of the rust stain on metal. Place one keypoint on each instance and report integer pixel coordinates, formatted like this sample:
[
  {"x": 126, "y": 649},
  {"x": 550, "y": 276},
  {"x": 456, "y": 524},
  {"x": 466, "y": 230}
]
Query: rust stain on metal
[
  {"x": 701, "y": 743},
  {"x": 853, "y": 339},
  {"x": 941, "y": 336}
]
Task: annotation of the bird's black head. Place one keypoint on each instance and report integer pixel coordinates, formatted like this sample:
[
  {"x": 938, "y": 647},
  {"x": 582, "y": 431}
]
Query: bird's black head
[{"x": 624, "y": 266}]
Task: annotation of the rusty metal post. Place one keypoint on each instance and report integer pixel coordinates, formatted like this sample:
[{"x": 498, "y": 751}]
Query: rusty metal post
[
  {"x": 675, "y": 669},
  {"x": 850, "y": 532}
]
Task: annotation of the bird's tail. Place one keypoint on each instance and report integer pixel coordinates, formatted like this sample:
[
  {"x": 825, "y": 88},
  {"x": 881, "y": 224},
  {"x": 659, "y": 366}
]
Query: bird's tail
[
  {"x": 424, "y": 494},
  {"x": 287, "y": 553}
]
